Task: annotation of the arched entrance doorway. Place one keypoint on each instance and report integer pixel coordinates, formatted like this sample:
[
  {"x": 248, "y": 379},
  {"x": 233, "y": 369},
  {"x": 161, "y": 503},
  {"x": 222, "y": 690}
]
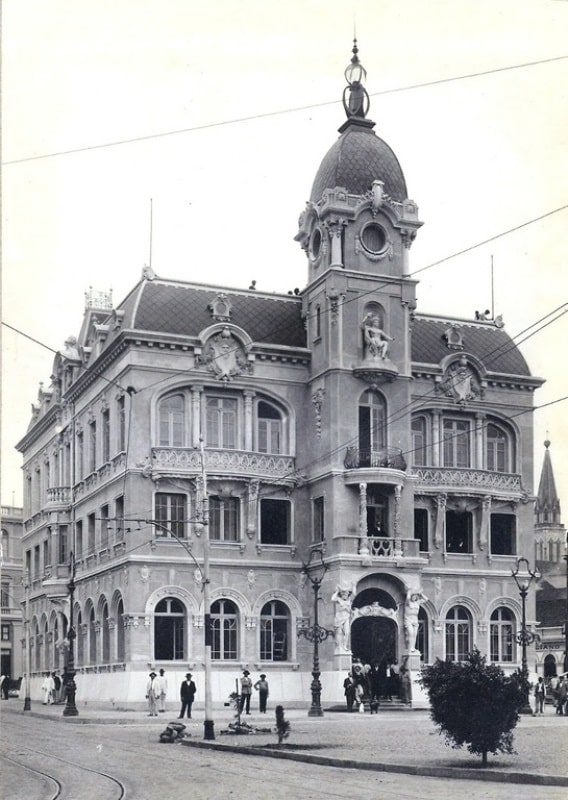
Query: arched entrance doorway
[{"x": 374, "y": 638}]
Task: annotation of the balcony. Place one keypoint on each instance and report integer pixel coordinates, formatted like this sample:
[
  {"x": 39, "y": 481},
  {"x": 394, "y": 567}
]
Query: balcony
[
  {"x": 59, "y": 496},
  {"x": 447, "y": 479},
  {"x": 385, "y": 458},
  {"x": 379, "y": 548},
  {"x": 181, "y": 461}
]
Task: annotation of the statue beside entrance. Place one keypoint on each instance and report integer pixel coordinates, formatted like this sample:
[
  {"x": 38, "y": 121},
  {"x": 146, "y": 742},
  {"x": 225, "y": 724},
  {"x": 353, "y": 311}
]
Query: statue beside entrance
[
  {"x": 343, "y": 598},
  {"x": 413, "y": 601}
]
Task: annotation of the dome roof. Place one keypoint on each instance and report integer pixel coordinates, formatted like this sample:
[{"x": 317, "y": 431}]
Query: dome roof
[{"x": 356, "y": 159}]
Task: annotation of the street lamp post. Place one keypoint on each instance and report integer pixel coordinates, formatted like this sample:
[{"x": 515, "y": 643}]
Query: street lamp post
[
  {"x": 315, "y": 572},
  {"x": 27, "y": 698},
  {"x": 70, "y": 709},
  {"x": 524, "y": 576}
]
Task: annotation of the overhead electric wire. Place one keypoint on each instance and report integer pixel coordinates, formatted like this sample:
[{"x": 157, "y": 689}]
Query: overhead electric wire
[{"x": 278, "y": 112}]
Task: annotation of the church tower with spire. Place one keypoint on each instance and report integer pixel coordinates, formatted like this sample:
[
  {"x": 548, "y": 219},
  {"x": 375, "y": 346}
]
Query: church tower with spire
[{"x": 550, "y": 533}]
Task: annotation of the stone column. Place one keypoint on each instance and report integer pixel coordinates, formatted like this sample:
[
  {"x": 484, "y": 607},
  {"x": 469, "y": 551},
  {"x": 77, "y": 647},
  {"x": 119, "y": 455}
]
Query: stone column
[
  {"x": 479, "y": 439},
  {"x": 248, "y": 419},
  {"x": 364, "y": 544},
  {"x": 436, "y": 439},
  {"x": 196, "y": 414}
]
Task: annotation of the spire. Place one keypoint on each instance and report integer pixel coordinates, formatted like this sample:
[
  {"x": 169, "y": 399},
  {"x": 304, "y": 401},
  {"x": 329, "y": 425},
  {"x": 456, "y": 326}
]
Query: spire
[
  {"x": 357, "y": 104},
  {"x": 547, "y": 507}
]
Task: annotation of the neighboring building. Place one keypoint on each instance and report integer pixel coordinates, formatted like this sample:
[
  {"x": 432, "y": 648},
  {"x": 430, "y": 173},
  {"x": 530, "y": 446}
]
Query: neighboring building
[
  {"x": 12, "y": 589},
  {"x": 550, "y": 557},
  {"x": 339, "y": 419}
]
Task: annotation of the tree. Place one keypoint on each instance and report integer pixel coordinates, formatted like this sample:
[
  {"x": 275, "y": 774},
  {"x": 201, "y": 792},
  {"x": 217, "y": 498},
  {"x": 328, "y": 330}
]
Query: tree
[{"x": 475, "y": 704}]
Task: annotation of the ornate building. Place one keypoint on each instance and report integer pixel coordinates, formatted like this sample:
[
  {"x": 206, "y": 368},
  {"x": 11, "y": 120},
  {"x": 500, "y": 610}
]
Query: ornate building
[
  {"x": 258, "y": 428},
  {"x": 12, "y": 625}
]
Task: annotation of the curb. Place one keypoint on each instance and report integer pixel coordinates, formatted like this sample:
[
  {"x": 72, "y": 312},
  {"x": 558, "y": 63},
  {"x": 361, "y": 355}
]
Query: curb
[{"x": 459, "y": 773}]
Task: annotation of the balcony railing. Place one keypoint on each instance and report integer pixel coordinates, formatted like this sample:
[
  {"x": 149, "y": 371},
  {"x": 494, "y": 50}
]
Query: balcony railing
[
  {"x": 242, "y": 462},
  {"x": 59, "y": 494},
  {"x": 385, "y": 458},
  {"x": 387, "y": 547},
  {"x": 485, "y": 480}
]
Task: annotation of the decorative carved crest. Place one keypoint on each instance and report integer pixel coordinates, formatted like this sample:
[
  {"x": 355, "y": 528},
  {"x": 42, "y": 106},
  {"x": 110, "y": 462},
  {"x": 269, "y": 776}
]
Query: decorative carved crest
[
  {"x": 220, "y": 308},
  {"x": 224, "y": 356},
  {"x": 453, "y": 336},
  {"x": 460, "y": 382}
]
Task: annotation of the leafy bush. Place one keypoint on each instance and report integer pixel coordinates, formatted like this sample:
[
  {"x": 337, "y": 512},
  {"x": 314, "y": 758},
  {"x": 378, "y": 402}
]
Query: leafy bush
[{"x": 475, "y": 704}]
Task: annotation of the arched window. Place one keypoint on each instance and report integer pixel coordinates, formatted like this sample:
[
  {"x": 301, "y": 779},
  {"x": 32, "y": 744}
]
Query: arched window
[
  {"x": 169, "y": 630},
  {"x": 274, "y": 631},
  {"x": 372, "y": 429},
  {"x": 418, "y": 427},
  {"x": 92, "y": 638},
  {"x": 224, "y": 621},
  {"x": 54, "y": 660},
  {"x": 422, "y": 637},
  {"x": 457, "y": 443},
  {"x": 171, "y": 421},
  {"x": 502, "y": 635},
  {"x": 498, "y": 449},
  {"x": 269, "y": 428},
  {"x": 458, "y": 633},
  {"x": 105, "y": 632},
  {"x": 120, "y": 631},
  {"x": 37, "y": 649}
]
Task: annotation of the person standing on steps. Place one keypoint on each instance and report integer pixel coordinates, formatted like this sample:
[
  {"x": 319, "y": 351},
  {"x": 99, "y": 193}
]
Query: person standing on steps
[
  {"x": 246, "y": 691},
  {"x": 262, "y": 688},
  {"x": 187, "y": 695}
]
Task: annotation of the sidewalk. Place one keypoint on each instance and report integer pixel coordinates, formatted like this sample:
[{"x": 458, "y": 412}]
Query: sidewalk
[{"x": 389, "y": 741}]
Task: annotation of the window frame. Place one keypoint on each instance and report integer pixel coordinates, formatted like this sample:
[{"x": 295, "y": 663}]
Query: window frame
[
  {"x": 224, "y": 519},
  {"x": 451, "y": 441},
  {"x": 225, "y": 434},
  {"x": 502, "y": 633},
  {"x": 224, "y": 630},
  {"x": 458, "y": 631},
  {"x": 279, "y": 525},
  {"x": 274, "y": 624},
  {"x": 172, "y": 422},
  {"x": 175, "y": 524}
]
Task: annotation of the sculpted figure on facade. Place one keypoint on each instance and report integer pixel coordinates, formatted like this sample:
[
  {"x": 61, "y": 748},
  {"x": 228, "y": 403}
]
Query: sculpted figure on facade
[
  {"x": 412, "y": 604},
  {"x": 376, "y": 340},
  {"x": 343, "y": 598}
]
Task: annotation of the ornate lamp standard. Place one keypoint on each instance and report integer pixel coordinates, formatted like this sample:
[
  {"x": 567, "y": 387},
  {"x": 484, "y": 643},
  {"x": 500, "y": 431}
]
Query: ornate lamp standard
[
  {"x": 70, "y": 709},
  {"x": 524, "y": 576},
  {"x": 315, "y": 570}
]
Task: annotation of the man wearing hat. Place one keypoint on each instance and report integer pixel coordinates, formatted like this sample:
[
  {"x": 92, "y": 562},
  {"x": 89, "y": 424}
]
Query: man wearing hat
[
  {"x": 187, "y": 694},
  {"x": 246, "y": 691},
  {"x": 152, "y": 694},
  {"x": 262, "y": 688}
]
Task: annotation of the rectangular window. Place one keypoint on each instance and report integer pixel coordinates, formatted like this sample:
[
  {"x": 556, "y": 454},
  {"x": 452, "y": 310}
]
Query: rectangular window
[
  {"x": 104, "y": 527},
  {"x": 501, "y": 642},
  {"x": 275, "y": 521},
  {"x": 105, "y": 418},
  {"x": 91, "y": 534},
  {"x": 5, "y": 597},
  {"x": 222, "y": 422},
  {"x": 92, "y": 446},
  {"x": 421, "y": 528},
  {"x": 224, "y": 519},
  {"x": 457, "y": 641},
  {"x": 419, "y": 442},
  {"x": 459, "y": 532},
  {"x": 273, "y": 639},
  {"x": 456, "y": 435},
  {"x": 79, "y": 539},
  {"x": 224, "y": 639},
  {"x": 119, "y": 522},
  {"x": 6, "y": 631},
  {"x": 318, "y": 517},
  {"x": 121, "y": 408},
  {"x": 170, "y": 515},
  {"x": 63, "y": 545},
  {"x": 503, "y": 534},
  {"x": 36, "y": 561},
  {"x": 47, "y": 552},
  {"x": 80, "y": 455}
]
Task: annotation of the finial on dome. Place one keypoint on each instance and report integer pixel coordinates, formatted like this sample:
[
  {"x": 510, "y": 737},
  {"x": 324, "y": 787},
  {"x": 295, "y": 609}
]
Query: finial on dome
[
  {"x": 547, "y": 441},
  {"x": 357, "y": 105}
]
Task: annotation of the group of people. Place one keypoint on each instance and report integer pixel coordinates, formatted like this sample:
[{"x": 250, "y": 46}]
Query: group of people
[
  {"x": 375, "y": 682},
  {"x": 261, "y": 686},
  {"x": 559, "y": 689},
  {"x": 157, "y": 688},
  {"x": 52, "y": 688}
]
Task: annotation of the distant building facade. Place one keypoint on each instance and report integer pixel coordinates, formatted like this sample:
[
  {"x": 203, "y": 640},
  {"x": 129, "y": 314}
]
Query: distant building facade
[
  {"x": 12, "y": 592},
  {"x": 264, "y": 427},
  {"x": 550, "y": 557}
]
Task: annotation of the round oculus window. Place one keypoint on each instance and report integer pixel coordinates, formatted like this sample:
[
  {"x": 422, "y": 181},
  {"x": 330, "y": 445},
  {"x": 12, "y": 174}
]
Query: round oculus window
[
  {"x": 374, "y": 238},
  {"x": 315, "y": 244}
]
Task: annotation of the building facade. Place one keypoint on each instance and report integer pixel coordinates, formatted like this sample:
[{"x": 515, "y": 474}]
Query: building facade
[
  {"x": 271, "y": 432},
  {"x": 12, "y": 622}
]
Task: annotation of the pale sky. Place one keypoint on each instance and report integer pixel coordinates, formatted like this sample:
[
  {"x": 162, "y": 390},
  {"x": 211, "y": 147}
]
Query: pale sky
[{"x": 481, "y": 155}]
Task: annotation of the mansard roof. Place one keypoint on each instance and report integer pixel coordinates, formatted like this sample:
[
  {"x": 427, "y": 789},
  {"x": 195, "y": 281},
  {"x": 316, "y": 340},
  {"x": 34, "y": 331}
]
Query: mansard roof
[
  {"x": 484, "y": 340},
  {"x": 176, "y": 307}
]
